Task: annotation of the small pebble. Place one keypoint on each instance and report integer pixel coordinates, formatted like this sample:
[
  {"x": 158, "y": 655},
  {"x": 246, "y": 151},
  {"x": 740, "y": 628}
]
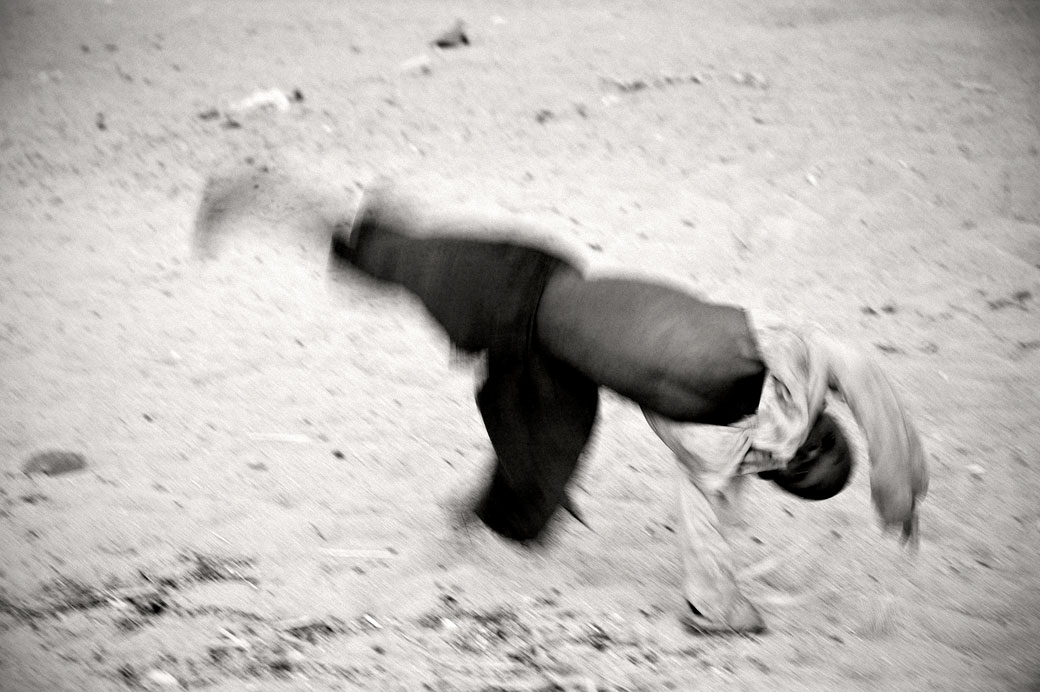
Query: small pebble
[
  {"x": 54, "y": 463},
  {"x": 162, "y": 679}
]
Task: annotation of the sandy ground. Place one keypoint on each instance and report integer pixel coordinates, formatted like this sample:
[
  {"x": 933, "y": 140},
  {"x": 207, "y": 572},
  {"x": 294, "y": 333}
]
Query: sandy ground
[{"x": 273, "y": 459}]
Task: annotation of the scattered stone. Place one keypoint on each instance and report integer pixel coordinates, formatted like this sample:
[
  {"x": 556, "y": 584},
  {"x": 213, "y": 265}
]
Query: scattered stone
[
  {"x": 453, "y": 37},
  {"x": 750, "y": 79},
  {"x": 312, "y": 629},
  {"x": 214, "y": 568},
  {"x": 161, "y": 680},
  {"x": 630, "y": 86},
  {"x": 54, "y": 463},
  {"x": 146, "y": 601},
  {"x": 543, "y": 116},
  {"x": 420, "y": 64},
  {"x": 262, "y": 100},
  {"x": 977, "y": 471},
  {"x": 1017, "y": 300}
]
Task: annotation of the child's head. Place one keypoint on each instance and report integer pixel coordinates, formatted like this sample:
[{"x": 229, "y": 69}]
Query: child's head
[{"x": 821, "y": 467}]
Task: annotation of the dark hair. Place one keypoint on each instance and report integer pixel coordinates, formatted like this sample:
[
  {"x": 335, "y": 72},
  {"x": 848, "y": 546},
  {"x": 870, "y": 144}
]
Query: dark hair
[{"x": 822, "y": 466}]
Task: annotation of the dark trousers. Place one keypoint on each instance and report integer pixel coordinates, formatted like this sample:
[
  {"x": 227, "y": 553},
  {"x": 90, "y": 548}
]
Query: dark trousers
[
  {"x": 539, "y": 412},
  {"x": 539, "y": 409}
]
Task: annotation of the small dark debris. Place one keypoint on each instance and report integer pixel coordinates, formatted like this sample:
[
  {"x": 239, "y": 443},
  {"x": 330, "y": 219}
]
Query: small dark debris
[
  {"x": 280, "y": 667},
  {"x": 111, "y": 47},
  {"x": 543, "y": 116},
  {"x": 99, "y": 122},
  {"x": 889, "y": 308},
  {"x": 231, "y": 124},
  {"x": 597, "y": 638},
  {"x": 215, "y": 568},
  {"x": 596, "y": 247},
  {"x": 127, "y": 624},
  {"x": 581, "y": 110},
  {"x": 888, "y": 348},
  {"x": 258, "y": 466},
  {"x": 54, "y": 463},
  {"x": 296, "y": 96},
  {"x": 218, "y": 654},
  {"x": 632, "y": 86},
  {"x": 313, "y": 632},
  {"x": 149, "y": 603},
  {"x": 158, "y": 581},
  {"x": 867, "y": 310},
  {"x": 147, "y": 417},
  {"x": 128, "y": 675},
  {"x": 453, "y": 37},
  {"x": 33, "y": 498},
  {"x": 338, "y": 454},
  {"x": 67, "y": 594},
  {"x": 84, "y": 48},
  {"x": 1016, "y": 300},
  {"x": 209, "y": 114},
  {"x": 1029, "y": 345}
]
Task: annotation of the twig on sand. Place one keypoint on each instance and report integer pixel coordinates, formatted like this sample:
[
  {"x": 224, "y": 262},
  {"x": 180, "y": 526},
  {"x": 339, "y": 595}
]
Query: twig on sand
[{"x": 220, "y": 538}]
